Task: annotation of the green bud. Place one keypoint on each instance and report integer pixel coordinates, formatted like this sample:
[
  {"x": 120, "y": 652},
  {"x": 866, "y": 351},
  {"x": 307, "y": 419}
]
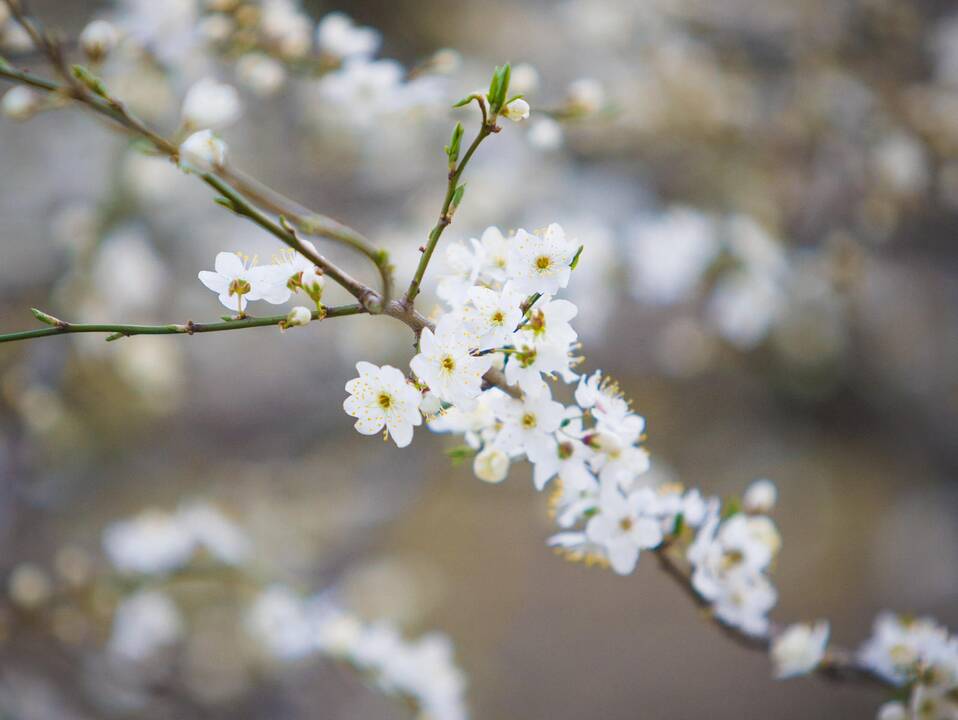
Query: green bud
[
  {"x": 91, "y": 81},
  {"x": 452, "y": 149},
  {"x": 460, "y": 454},
  {"x": 44, "y": 317},
  {"x": 456, "y": 198},
  {"x": 465, "y": 101}
]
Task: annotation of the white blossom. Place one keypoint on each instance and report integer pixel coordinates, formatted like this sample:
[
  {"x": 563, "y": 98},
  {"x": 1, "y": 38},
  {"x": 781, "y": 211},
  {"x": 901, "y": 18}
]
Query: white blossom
[
  {"x": 463, "y": 263},
  {"x": 210, "y": 105},
  {"x": 760, "y": 497},
  {"x": 150, "y": 543},
  {"x": 492, "y": 316},
  {"x": 203, "y": 150},
  {"x": 298, "y": 316},
  {"x": 539, "y": 263},
  {"x": 528, "y": 423},
  {"x": 260, "y": 73},
  {"x": 517, "y": 110},
  {"x": 445, "y": 364},
  {"x": 98, "y": 39},
  {"x": 338, "y": 36},
  {"x": 799, "y": 649},
  {"x": 143, "y": 624},
  {"x": 624, "y": 525},
  {"x": 491, "y": 464},
  {"x": 237, "y": 281},
  {"x": 382, "y": 397},
  {"x": 20, "y": 103}
]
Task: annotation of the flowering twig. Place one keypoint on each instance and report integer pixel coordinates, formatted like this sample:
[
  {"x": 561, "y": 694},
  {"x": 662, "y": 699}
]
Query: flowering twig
[
  {"x": 839, "y": 664},
  {"x": 119, "y": 330},
  {"x": 454, "y": 191}
]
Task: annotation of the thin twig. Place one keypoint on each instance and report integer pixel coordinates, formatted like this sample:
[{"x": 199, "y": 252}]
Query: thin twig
[{"x": 118, "y": 330}]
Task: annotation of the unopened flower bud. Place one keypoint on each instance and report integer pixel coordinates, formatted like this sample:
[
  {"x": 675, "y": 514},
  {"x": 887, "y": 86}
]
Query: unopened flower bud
[
  {"x": 20, "y": 103},
  {"x": 210, "y": 104},
  {"x": 203, "y": 150},
  {"x": 491, "y": 465},
  {"x": 517, "y": 110},
  {"x": 430, "y": 405},
  {"x": 98, "y": 39},
  {"x": 760, "y": 497},
  {"x": 299, "y": 315}
]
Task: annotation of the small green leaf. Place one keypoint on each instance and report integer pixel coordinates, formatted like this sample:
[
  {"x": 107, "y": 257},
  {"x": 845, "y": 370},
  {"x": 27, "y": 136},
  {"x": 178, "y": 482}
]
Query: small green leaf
[
  {"x": 731, "y": 507},
  {"x": 90, "y": 80},
  {"x": 679, "y": 524},
  {"x": 465, "y": 101},
  {"x": 457, "y": 197},
  {"x": 575, "y": 260},
  {"x": 455, "y": 143},
  {"x": 460, "y": 454},
  {"x": 494, "y": 86},
  {"x": 505, "y": 75}
]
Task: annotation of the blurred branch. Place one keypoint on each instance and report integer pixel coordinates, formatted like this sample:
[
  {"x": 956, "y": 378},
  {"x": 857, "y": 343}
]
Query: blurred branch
[
  {"x": 307, "y": 221},
  {"x": 838, "y": 665},
  {"x": 120, "y": 330}
]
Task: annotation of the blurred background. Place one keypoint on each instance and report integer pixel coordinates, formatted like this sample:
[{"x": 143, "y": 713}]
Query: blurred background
[{"x": 767, "y": 193}]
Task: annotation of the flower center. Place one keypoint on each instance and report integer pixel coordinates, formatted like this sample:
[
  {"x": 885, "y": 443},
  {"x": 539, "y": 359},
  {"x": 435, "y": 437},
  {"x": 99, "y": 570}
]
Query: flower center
[
  {"x": 626, "y": 524},
  {"x": 385, "y": 401},
  {"x": 543, "y": 262},
  {"x": 528, "y": 421},
  {"x": 498, "y": 318},
  {"x": 565, "y": 450},
  {"x": 447, "y": 363},
  {"x": 239, "y": 286}
]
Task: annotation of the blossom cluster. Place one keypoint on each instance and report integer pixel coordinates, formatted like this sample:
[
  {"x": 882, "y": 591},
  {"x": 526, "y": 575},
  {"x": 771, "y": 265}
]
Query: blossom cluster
[
  {"x": 917, "y": 654},
  {"x": 422, "y": 672}
]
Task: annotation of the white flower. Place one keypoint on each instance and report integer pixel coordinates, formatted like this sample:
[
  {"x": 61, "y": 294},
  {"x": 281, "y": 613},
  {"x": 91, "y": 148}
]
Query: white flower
[
  {"x": 463, "y": 266},
  {"x": 528, "y": 423},
  {"x": 476, "y": 425},
  {"x": 236, "y": 281},
  {"x": 545, "y": 134},
  {"x": 338, "y": 36},
  {"x": 98, "y": 39},
  {"x": 278, "y": 619},
  {"x": 143, "y": 624},
  {"x": 491, "y": 465},
  {"x": 744, "y": 601},
  {"x": 899, "y": 646},
  {"x": 492, "y": 316},
  {"x": 445, "y": 364},
  {"x": 382, "y": 397},
  {"x": 670, "y": 253},
  {"x": 298, "y": 317},
  {"x": 760, "y": 497},
  {"x": 260, "y": 73},
  {"x": 20, "y": 102},
  {"x": 603, "y": 398},
  {"x": 495, "y": 254},
  {"x": 616, "y": 460},
  {"x": 527, "y": 364},
  {"x": 283, "y": 22},
  {"x": 566, "y": 458},
  {"x": 517, "y": 110},
  {"x": 361, "y": 91},
  {"x": 212, "y": 530},
  {"x": 548, "y": 323},
  {"x": 150, "y": 543},
  {"x": 211, "y": 105},
  {"x": 203, "y": 150},
  {"x": 625, "y": 525},
  {"x": 540, "y": 262},
  {"x": 287, "y": 273},
  {"x": 799, "y": 649}
]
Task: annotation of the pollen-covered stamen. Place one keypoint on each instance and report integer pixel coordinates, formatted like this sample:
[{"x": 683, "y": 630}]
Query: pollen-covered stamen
[
  {"x": 385, "y": 400},
  {"x": 565, "y": 450},
  {"x": 448, "y": 363},
  {"x": 537, "y": 322},
  {"x": 529, "y": 421},
  {"x": 625, "y": 524},
  {"x": 239, "y": 286},
  {"x": 498, "y": 318},
  {"x": 526, "y": 357},
  {"x": 543, "y": 263}
]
